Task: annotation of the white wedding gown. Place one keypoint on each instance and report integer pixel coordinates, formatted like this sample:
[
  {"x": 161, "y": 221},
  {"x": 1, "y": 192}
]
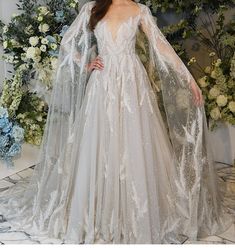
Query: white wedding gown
[{"x": 123, "y": 186}]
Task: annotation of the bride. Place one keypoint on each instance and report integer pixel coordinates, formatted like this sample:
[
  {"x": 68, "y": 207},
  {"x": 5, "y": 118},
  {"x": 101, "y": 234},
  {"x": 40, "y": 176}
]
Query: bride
[{"x": 111, "y": 169}]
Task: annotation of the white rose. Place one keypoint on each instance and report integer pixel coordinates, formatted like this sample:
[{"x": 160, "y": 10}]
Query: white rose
[
  {"x": 33, "y": 40},
  {"x": 33, "y": 52},
  {"x": 43, "y": 48},
  {"x": 214, "y": 92},
  {"x": 221, "y": 100},
  {"x": 44, "y": 41},
  {"x": 44, "y": 28},
  {"x": 215, "y": 113},
  {"x": 231, "y": 106}
]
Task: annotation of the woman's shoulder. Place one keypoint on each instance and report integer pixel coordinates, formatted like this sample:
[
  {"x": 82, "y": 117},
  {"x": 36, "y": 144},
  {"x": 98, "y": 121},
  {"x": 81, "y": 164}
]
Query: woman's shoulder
[
  {"x": 89, "y": 4},
  {"x": 143, "y": 7}
]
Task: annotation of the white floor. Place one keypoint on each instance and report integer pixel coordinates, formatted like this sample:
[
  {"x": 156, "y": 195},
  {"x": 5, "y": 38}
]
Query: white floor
[
  {"x": 27, "y": 158},
  {"x": 9, "y": 237}
]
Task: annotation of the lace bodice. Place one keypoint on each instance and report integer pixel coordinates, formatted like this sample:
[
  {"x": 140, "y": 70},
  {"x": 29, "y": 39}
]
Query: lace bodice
[{"x": 124, "y": 40}]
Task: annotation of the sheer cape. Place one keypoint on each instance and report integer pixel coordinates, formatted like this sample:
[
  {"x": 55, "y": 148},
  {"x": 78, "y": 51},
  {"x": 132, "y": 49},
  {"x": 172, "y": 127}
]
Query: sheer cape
[{"x": 39, "y": 204}]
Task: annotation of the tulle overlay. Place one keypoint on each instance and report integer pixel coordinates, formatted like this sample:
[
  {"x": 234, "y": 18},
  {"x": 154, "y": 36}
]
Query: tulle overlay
[{"x": 108, "y": 168}]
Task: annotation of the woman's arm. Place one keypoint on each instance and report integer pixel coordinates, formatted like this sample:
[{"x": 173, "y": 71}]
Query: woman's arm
[{"x": 166, "y": 52}]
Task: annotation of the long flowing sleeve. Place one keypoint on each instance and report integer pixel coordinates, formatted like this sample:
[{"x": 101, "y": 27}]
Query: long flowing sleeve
[
  {"x": 198, "y": 199},
  {"x": 41, "y": 206},
  {"x": 78, "y": 37},
  {"x": 162, "y": 46}
]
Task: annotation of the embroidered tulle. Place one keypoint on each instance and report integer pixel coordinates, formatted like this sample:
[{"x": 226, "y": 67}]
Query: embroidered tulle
[{"x": 109, "y": 168}]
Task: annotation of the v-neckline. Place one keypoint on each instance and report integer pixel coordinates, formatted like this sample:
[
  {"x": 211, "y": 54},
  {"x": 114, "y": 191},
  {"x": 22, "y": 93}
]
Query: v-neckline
[{"x": 105, "y": 22}]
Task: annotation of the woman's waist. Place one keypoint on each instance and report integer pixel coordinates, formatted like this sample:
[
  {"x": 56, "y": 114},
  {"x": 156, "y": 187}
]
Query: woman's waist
[{"x": 118, "y": 52}]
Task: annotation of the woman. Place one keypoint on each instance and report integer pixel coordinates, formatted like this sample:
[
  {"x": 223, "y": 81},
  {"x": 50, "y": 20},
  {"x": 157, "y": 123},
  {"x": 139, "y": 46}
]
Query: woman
[{"x": 108, "y": 170}]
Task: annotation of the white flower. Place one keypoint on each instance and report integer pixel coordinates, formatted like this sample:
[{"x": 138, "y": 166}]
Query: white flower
[
  {"x": 215, "y": 113},
  {"x": 33, "y": 52},
  {"x": 5, "y": 29},
  {"x": 10, "y": 59},
  {"x": 43, "y": 10},
  {"x": 54, "y": 63},
  {"x": 14, "y": 15},
  {"x": 33, "y": 40},
  {"x": 44, "y": 41},
  {"x": 24, "y": 66},
  {"x": 37, "y": 59},
  {"x": 208, "y": 69},
  {"x": 72, "y": 5},
  {"x": 221, "y": 100},
  {"x": 40, "y": 18},
  {"x": 214, "y": 74},
  {"x": 231, "y": 106},
  {"x": 39, "y": 118},
  {"x": 44, "y": 28},
  {"x": 5, "y": 44},
  {"x": 29, "y": 29},
  {"x": 43, "y": 48},
  {"x": 212, "y": 54},
  {"x": 203, "y": 81},
  {"x": 218, "y": 62},
  {"x": 214, "y": 92},
  {"x": 53, "y": 46}
]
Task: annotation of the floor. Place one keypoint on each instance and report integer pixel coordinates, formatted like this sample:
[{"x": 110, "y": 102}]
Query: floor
[{"x": 8, "y": 237}]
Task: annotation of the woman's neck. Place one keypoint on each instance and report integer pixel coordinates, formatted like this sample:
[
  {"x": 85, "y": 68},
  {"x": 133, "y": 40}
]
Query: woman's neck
[{"x": 118, "y": 2}]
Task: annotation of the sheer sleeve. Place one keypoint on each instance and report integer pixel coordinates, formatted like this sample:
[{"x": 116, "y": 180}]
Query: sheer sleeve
[
  {"x": 68, "y": 43},
  {"x": 162, "y": 46}
]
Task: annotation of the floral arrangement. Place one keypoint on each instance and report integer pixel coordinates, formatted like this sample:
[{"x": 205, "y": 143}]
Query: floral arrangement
[
  {"x": 11, "y": 138},
  {"x": 31, "y": 45},
  {"x": 217, "y": 80},
  {"x": 218, "y": 89}
]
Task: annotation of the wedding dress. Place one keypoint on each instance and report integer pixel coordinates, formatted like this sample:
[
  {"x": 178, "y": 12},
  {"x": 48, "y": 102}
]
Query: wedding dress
[{"x": 109, "y": 170}]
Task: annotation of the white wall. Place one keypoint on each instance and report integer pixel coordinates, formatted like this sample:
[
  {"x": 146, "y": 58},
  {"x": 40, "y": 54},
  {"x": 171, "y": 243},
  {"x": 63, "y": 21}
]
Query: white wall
[{"x": 7, "y": 8}]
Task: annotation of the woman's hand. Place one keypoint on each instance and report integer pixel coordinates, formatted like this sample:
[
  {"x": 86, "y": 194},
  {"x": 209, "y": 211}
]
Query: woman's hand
[
  {"x": 197, "y": 94},
  {"x": 96, "y": 64}
]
